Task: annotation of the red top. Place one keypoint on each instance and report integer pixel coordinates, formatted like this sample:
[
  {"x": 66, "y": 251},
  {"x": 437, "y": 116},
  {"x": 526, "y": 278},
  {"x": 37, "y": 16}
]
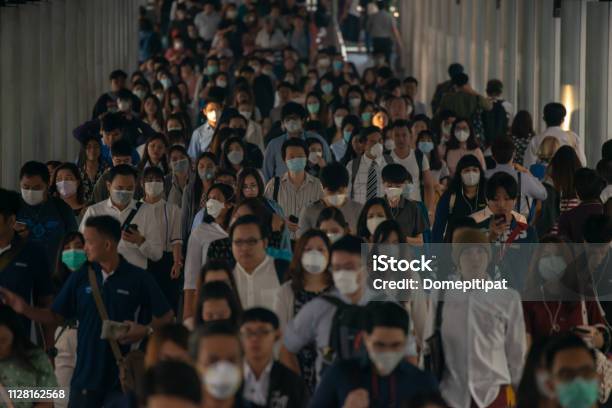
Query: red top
[{"x": 539, "y": 321}]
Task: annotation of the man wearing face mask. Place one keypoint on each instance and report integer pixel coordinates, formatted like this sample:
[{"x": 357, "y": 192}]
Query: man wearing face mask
[
  {"x": 202, "y": 135},
  {"x": 384, "y": 377},
  {"x": 140, "y": 237},
  {"x": 108, "y": 101},
  {"x": 364, "y": 171},
  {"x": 167, "y": 270},
  {"x": 42, "y": 219},
  {"x": 334, "y": 180},
  {"x": 121, "y": 153},
  {"x": 293, "y": 115},
  {"x": 217, "y": 354},
  {"x": 296, "y": 189}
]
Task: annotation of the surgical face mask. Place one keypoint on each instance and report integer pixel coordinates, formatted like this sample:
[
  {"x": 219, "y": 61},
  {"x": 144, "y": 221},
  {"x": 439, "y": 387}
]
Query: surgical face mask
[
  {"x": 346, "y": 281},
  {"x": 235, "y": 157},
  {"x": 231, "y": 14},
  {"x": 175, "y": 102},
  {"x": 393, "y": 193},
  {"x": 334, "y": 236},
  {"x": 327, "y": 88},
  {"x": 314, "y": 157},
  {"x": 296, "y": 165},
  {"x": 551, "y": 267},
  {"x": 66, "y": 188},
  {"x": 221, "y": 83},
  {"x": 214, "y": 207},
  {"x": 338, "y": 121},
  {"x": 426, "y": 147},
  {"x": 140, "y": 93},
  {"x": 408, "y": 188},
  {"x": 121, "y": 197},
  {"x": 222, "y": 380},
  {"x": 211, "y": 116},
  {"x": 470, "y": 178},
  {"x": 354, "y": 102},
  {"x": 373, "y": 223},
  {"x": 338, "y": 65},
  {"x": 180, "y": 166},
  {"x": 293, "y": 126},
  {"x": 166, "y": 82},
  {"x": 366, "y": 116},
  {"x": 446, "y": 128},
  {"x": 313, "y": 107},
  {"x": 376, "y": 151},
  {"x": 32, "y": 197},
  {"x": 246, "y": 114},
  {"x": 386, "y": 361},
  {"x": 74, "y": 258},
  {"x": 389, "y": 144},
  {"x": 336, "y": 200},
  {"x": 324, "y": 62},
  {"x": 578, "y": 393},
  {"x": 462, "y": 135},
  {"x": 212, "y": 69},
  {"x": 124, "y": 106},
  {"x": 346, "y": 136},
  {"x": 314, "y": 261},
  {"x": 154, "y": 188},
  {"x": 206, "y": 174}
]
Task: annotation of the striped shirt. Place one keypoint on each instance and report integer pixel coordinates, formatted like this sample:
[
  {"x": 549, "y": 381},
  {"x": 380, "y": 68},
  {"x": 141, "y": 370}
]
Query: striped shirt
[{"x": 291, "y": 198}]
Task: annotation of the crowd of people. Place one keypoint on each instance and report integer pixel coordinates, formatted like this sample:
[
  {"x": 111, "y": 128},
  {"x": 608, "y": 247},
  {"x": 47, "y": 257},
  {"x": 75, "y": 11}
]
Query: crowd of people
[{"x": 205, "y": 248}]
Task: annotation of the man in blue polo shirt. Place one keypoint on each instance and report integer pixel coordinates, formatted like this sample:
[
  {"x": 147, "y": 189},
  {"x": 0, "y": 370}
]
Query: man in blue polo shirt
[
  {"x": 383, "y": 378},
  {"x": 293, "y": 115},
  {"x": 129, "y": 294}
]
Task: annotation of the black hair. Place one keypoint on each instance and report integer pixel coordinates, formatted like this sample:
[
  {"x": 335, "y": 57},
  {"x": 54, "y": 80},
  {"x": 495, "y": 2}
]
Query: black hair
[
  {"x": 153, "y": 171},
  {"x": 35, "y": 168},
  {"x": 501, "y": 180},
  {"x": 72, "y": 168},
  {"x": 117, "y": 74},
  {"x": 522, "y": 125},
  {"x": 386, "y": 314},
  {"x": 502, "y": 150},
  {"x": 367, "y": 131},
  {"x": 453, "y": 143},
  {"x": 460, "y": 79},
  {"x": 362, "y": 221},
  {"x": 250, "y": 219},
  {"x": 121, "y": 170},
  {"x": 564, "y": 342},
  {"x": 145, "y": 155},
  {"x": 10, "y": 202},
  {"x": 455, "y": 69},
  {"x": 225, "y": 162},
  {"x": 229, "y": 194},
  {"x": 598, "y": 229},
  {"x": 604, "y": 169},
  {"x": 528, "y": 393},
  {"x": 121, "y": 148},
  {"x": 293, "y": 108},
  {"x": 111, "y": 121},
  {"x": 293, "y": 142},
  {"x": 465, "y": 222},
  {"x": 435, "y": 163},
  {"x": 173, "y": 378},
  {"x": 331, "y": 213},
  {"x": 219, "y": 290},
  {"x": 174, "y": 332},
  {"x": 588, "y": 184},
  {"x": 260, "y": 314},
  {"x": 105, "y": 225},
  {"x": 385, "y": 229},
  {"x": 242, "y": 175},
  {"x": 469, "y": 160},
  {"x": 215, "y": 265},
  {"x": 400, "y": 123},
  {"x": 554, "y": 114},
  {"x": 606, "y": 150},
  {"x": 426, "y": 400},
  {"x": 495, "y": 87},
  {"x": 22, "y": 349},
  {"x": 334, "y": 176},
  {"x": 348, "y": 243},
  {"x": 395, "y": 173},
  {"x": 411, "y": 80},
  {"x": 211, "y": 329}
]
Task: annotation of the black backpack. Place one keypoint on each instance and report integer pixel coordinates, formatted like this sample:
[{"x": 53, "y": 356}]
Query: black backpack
[
  {"x": 495, "y": 122},
  {"x": 344, "y": 337}
]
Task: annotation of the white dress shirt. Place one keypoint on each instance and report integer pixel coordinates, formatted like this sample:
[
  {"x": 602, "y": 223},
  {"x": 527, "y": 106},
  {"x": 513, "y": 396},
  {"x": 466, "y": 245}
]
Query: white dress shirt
[
  {"x": 148, "y": 227},
  {"x": 564, "y": 138},
  {"x": 256, "y": 391},
  {"x": 169, "y": 216},
  {"x": 358, "y": 190},
  {"x": 257, "y": 289},
  {"x": 197, "y": 249},
  {"x": 411, "y": 165},
  {"x": 484, "y": 339},
  {"x": 200, "y": 140}
]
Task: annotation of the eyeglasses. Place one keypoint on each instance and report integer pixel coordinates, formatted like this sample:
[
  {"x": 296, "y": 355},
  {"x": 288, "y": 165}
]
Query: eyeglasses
[
  {"x": 250, "y": 242},
  {"x": 248, "y": 334}
]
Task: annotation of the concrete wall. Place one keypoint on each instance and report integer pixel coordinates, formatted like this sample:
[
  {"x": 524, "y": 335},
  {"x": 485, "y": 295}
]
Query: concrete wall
[
  {"x": 56, "y": 58},
  {"x": 540, "y": 58}
]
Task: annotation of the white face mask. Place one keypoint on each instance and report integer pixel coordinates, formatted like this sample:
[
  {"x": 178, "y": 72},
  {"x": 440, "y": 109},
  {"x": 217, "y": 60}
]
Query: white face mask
[
  {"x": 246, "y": 114},
  {"x": 214, "y": 207},
  {"x": 222, "y": 380},
  {"x": 346, "y": 281},
  {"x": 386, "y": 361},
  {"x": 154, "y": 188},
  {"x": 336, "y": 200},
  {"x": 121, "y": 197},
  {"x": 293, "y": 126},
  {"x": 140, "y": 93},
  {"x": 123, "y": 106},
  {"x": 334, "y": 236},
  {"x": 175, "y": 102},
  {"x": 32, "y": 197},
  {"x": 376, "y": 151},
  {"x": 338, "y": 121},
  {"x": 66, "y": 188},
  {"x": 374, "y": 222},
  {"x": 393, "y": 193},
  {"x": 462, "y": 135},
  {"x": 470, "y": 178},
  {"x": 221, "y": 83},
  {"x": 314, "y": 261},
  {"x": 354, "y": 102},
  {"x": 389, "y": 144},
  {"x": 211, "y": 116},
  {"x": 235, "y": 156},
  {"x": 313, "y": 157},
  {"x": 180, "y": 166},
  {"x": 551, "y": 267},
  {"x": 446, "y": 128}
]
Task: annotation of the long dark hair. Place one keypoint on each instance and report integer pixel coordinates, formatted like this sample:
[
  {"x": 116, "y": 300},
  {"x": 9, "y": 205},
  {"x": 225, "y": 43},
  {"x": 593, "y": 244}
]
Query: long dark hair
[
  {"x": 198, "y": 189},
  {"x": 384, "y": 230},
  {"x": 456, "y": 184},
  {"x": 522, "y": 125},
  {"x": 61, "y": 272},
  {"x": 82, "y": 159},
  {"x": 228, "y": 193},
  {"x": 224, "y": 163},
  {"x": 528, "y": 394},
  {"x": 362, "y": 221},
  {"x": 296, "y": 270},
  {"x": 71, "y": 167},
  {"x": 159, "y": 115},
  {"x": 435, "y": 163},
  {"x": 218, "y": 290},
  {"x": 244, "y": 173},
  {"x": 453, "y": 143},
  {"x": 22, "y": 349},
  {"x": 561, "y": 171},
  {"x": 145, "y": 155}
]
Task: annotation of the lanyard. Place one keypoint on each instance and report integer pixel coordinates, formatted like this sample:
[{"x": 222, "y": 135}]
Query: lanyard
[{"x": 392, "y": 387}]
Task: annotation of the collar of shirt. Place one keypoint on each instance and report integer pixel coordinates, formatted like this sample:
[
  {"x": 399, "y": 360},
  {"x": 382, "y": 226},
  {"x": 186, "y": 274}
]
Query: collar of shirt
[
  {"x": 368, "y": 162},
  {"x": 266, "y": 263},
  {"x": 131, "y": 205},
  {"x": 307, "y": 179},
  {"x": 365, "y": 298},
  {"x": 507, "y": 168},
  {"x": 256, "y": 390},
  {"x": 105, "y": 275}
]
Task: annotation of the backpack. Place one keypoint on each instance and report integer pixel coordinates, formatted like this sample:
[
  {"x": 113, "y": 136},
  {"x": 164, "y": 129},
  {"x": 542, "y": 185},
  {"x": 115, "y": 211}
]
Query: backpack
[
  {"x": 345, "y": 340},
  {"x": 355, "y": 169},
  {"x": 419, "y": 159},
  {"x": 495, "y": 123}
]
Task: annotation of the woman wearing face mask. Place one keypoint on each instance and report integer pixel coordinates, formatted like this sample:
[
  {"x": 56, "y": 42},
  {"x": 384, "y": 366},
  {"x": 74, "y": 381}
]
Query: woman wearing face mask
[
  {"x": 206, "y": 167},
  {"x": 155, "y": 154},
  {"x": 219, "y": 205},
  {"x": 182, "y": 173},
  {"x": 315, "y": 157},
  {"x": 217, "y": 302},
  {"x": 317, "y": 109},
  {"x": 437, "y": 167},
  {"x": 333, "y": 134},
  {"x": 66, "y": 184},
  {"x": 339, "y": 146},
  {"x": 233, "y": 154},
  {"x": 91, "y": 166},
  {"x": 310, "y": 277},
  {"x": 178, "y": 123},
  {"x": 465, "y": 195},
  {"x": 366, "y": 114},
  {"x": 327, "y": 89},
  {"x": 332, "y": 222},
  {"x": 551, "y": 302},
  {"x": 173, "y": 102},
  {"x": 462, "y": 142},
  {"x": 375, "y": 211},
  {"x": 355, "y": 100},
  {"x": 533, "y": 390},
  {"x": 250, "y": 185},
  {"x": 151, "y": 113}
]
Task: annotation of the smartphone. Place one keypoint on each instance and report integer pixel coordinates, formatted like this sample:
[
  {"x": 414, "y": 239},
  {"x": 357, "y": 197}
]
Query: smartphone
[
  {"x": 129, "y": 227},
  {"x": 294, "y": 219}
]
